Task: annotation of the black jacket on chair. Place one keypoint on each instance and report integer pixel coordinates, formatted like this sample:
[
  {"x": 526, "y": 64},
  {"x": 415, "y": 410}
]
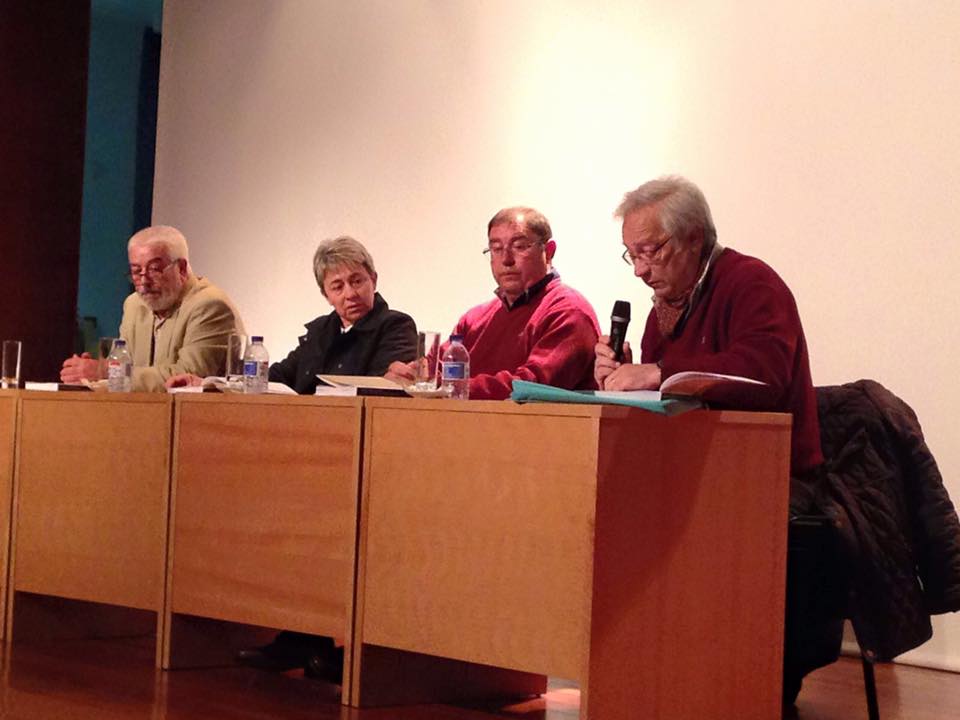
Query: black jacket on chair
[
  {"x": 376, "y": 340},
  {"x": 882, "y": 485}
]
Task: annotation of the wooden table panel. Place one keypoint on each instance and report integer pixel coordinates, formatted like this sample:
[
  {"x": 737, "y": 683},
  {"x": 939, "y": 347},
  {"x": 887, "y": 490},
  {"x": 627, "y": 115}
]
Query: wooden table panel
[
  {"x": 438, "y": 581},
  {"x": 8, "y": 421},
  {"x": 690, "y": 566},
  {"x": 264, "y": 510},
  {"x": 91, "y": 497},
  {"x": 640, "y": 555}
]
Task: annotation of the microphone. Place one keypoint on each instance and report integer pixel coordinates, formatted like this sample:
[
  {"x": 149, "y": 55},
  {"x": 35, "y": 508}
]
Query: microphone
[{"x": 619, "y": 319}]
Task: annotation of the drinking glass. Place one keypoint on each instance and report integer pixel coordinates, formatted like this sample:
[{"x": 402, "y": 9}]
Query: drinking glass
[
  {"x": 236, "y": 344},
  {"x": 425, "y": 366},
  {"x": 10, "y": 378}
]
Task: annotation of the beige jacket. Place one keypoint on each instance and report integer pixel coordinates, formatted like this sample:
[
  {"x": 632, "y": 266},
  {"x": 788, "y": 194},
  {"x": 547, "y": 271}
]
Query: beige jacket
[{"x": 193, "y": 339}]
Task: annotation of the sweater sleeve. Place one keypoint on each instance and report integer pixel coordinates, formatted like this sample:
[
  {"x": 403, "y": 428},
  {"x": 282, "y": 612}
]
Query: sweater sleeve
[
  {"x": 561, "y": 355},
  {"x": 285, "y": 371},
  {"x": 397, "y": 342},
  {"x": 763, "y": 329}
]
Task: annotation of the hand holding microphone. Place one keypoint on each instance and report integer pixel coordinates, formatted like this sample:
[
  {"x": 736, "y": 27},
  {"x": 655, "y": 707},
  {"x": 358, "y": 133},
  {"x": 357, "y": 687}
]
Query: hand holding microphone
[
  {"x": 610, "y": 349},
  {"x": 614, "y": 368}
]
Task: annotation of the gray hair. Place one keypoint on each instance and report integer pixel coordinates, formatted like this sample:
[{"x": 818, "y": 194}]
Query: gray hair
[
  {"x": 343, "y": 250},
  {"x": 682, "y": 208},
  {"x": 532, "y": 220},
  {"x": 172, "y": 240}
]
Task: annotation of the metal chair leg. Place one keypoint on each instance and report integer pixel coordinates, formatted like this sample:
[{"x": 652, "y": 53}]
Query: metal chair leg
[{"x": 870, "y": 686}]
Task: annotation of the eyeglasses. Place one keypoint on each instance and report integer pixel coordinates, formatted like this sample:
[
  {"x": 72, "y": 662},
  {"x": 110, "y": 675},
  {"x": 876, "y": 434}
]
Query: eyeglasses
[
  {"x": 153, "y": 270},
  {"x": 520, "y": 246},
  {"x": 651, "y": 256},
  {"x": 355, "y": 281}
]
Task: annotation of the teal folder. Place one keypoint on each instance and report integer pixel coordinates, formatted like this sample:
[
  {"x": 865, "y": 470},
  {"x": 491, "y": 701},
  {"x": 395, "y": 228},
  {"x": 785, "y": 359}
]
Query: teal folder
[{"x": 651, "y": 400}]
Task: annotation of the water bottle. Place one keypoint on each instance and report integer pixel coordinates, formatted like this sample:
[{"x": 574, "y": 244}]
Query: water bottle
[
  {"x": 119, "y": 368},
  {"x": 256, "y": 364},
  {"x": 455, "y": 369}
]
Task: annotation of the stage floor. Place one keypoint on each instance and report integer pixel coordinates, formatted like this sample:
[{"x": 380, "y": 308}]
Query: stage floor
[{"x": 115, "y": 680}]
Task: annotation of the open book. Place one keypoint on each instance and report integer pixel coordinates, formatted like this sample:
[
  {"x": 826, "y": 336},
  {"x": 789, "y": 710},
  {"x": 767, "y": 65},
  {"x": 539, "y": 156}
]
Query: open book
[
  {"x": 340, "y": 385},
  {"x": 694, "y": 383},
  {"x": 716, "y": 389}
]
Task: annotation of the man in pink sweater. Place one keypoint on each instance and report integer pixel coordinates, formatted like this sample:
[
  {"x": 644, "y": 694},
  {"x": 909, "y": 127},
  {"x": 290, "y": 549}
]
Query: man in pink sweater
[{"x": 537, "y": 328}]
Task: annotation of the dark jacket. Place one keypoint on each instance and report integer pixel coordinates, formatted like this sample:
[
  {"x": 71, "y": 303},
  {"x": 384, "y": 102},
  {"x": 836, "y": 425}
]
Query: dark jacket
[
  {"x": 895, "y": 517},
  {"x": 376, "y": 340}
]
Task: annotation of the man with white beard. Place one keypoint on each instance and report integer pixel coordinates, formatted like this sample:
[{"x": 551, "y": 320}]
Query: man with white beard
[{"x": 174, "y": 322}]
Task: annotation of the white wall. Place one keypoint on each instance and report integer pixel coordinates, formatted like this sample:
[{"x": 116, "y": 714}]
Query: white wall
[{"x": 824, "y": 135}]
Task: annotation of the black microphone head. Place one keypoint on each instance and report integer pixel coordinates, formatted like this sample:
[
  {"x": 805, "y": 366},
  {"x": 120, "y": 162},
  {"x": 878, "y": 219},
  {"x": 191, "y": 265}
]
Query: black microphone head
[
  {"x": 619, "y": 320},
  {"x": 621, "y": 310}
]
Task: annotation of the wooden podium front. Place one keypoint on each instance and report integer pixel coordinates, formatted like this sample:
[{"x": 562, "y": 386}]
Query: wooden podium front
[
  {"x": 8, "y": 427},
  {"x": 641, "y": 556},
  {"x": 263, "y": 520},
  {"x": 90, "y": 502}
]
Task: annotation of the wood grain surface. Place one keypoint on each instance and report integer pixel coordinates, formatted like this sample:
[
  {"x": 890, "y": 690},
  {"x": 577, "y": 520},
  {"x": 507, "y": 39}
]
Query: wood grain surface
[
  {"x": 264, "y": 511},
  {"x": 609, "y": 546},
  {"x": 90, "y": 508},
  {"x": 8, "y": 427}
]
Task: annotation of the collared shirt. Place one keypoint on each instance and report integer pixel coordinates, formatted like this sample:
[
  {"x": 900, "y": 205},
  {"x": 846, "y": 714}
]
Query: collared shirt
[
  {"x": 696, "y": 292},
  {"x": 528, "y": 294},
  {"x": 157, "y": 324}
]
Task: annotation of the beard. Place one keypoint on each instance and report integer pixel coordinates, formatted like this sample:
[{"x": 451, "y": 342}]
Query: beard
[{"x": 159, "y": 300}]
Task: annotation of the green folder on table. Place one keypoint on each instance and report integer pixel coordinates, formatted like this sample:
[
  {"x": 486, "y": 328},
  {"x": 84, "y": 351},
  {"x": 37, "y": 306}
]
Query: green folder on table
[{"x": 524, "y": 391}]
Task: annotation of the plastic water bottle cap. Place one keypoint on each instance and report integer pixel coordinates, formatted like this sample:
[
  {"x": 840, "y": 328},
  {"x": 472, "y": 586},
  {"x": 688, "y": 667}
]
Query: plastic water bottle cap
[
  {"x": 256, "y": 338},
  {"x": 456, "y": 338},
  {"x": 121, "y": 343}
]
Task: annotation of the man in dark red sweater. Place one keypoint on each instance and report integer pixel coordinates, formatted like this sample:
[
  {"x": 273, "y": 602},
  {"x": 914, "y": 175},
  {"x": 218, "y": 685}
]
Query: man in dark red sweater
[
  {"x": 536, "y": 328},
  {"x": 714, "y": 310}
]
